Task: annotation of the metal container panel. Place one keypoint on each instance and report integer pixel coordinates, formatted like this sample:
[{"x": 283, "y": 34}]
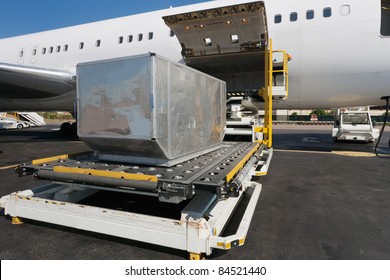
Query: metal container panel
[{"x": 149, "y": 110}]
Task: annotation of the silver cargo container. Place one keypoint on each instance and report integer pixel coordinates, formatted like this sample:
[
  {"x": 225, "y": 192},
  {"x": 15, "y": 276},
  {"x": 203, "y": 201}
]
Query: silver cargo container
[{"x": 149, "y": 110}]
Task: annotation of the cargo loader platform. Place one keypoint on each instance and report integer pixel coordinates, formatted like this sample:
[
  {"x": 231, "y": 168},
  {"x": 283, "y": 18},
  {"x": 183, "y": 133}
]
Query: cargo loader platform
[
  {"x": 156, "y": 129},
  {"x": 215, "y": 185}
]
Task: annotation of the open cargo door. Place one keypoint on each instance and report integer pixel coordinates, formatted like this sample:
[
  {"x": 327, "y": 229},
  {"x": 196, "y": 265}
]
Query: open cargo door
[{"x": 227, "y": 42}]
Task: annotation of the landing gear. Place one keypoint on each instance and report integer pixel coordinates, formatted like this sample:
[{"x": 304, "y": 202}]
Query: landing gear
[
  {"x": 68, "y": 128},
  {"x": 74, "y": 128},
  {"x": 387, "y": 99}
]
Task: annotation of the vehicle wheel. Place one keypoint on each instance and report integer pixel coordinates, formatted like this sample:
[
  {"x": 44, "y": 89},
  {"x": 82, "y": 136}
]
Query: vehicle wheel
[
  {"x": 335, "y": 139},
  {"x": 19, "y": 126}
]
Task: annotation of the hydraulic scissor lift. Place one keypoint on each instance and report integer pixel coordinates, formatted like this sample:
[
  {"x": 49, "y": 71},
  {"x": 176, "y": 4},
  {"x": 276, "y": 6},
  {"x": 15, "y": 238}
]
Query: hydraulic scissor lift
[{"x": 214, "y": 184}]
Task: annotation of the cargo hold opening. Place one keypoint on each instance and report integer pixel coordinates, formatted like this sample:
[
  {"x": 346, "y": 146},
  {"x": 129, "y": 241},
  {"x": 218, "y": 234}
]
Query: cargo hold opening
[
  {"x": 385, "y": 18},
  {"x": 228, "y": 42}
]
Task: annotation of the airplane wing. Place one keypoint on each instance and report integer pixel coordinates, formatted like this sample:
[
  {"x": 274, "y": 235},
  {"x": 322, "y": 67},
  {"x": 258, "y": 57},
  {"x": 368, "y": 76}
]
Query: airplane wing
[{"x": 25, "y": 82}]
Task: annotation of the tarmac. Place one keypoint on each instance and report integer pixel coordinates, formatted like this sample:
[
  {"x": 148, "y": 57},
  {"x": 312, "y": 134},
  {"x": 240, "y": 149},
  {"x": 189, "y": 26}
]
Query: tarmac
[{"x": 320, "y": 200}]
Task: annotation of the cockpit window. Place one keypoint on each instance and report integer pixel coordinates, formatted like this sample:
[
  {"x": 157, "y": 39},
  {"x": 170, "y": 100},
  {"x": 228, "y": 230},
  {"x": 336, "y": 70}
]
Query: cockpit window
[{"x": 385, "y": 18}]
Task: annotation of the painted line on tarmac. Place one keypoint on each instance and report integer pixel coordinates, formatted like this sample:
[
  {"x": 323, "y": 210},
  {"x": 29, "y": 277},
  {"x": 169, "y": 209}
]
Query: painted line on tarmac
[
  {"x": 300, "y": 151},
  {"x": 8, "y": 167},
  {"x": 337, "y": 153},
  {"x": 353, "y": 154}
]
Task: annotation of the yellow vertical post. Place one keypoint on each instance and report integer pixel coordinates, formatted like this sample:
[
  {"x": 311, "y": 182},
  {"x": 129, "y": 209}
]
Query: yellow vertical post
[
  {"x": 268, "y": 97},
  {"x": 285, "y": 69},
  {"x": 266, "y": 93}
]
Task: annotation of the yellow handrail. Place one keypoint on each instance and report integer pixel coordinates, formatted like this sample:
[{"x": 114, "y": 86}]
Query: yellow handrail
[{"x": 267, "y": 93}]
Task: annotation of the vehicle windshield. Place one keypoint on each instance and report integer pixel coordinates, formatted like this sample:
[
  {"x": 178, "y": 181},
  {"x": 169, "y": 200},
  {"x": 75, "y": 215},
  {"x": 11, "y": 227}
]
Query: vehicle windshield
[{"x": 355, "y": 118}]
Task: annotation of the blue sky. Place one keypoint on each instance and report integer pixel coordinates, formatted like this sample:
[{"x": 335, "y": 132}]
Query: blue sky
[{"x": 19, "y": 17}]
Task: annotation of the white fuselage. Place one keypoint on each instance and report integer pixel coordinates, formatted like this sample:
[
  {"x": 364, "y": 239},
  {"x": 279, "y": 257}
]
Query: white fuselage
[{"x": 338, "y": 60}]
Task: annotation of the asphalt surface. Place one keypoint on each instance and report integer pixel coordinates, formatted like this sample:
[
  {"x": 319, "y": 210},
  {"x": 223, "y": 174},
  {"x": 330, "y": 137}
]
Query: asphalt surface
[{"x": 320, "y": 200}]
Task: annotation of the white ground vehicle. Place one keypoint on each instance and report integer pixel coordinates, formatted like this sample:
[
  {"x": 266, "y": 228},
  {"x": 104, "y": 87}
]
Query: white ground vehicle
[
  {"x": 20, "y": 120},
  {"x": 354, "y": 124},
  {"x": 9, "y": 123}
]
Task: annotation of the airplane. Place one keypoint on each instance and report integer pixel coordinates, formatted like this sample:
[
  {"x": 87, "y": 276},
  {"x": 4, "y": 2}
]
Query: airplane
[{"x": 339, "y": 48}]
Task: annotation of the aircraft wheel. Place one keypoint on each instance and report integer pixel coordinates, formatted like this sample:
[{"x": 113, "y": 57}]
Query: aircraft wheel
[
  {"x": 66, "y": 128},
  {"x": 74, "y": 128}
]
